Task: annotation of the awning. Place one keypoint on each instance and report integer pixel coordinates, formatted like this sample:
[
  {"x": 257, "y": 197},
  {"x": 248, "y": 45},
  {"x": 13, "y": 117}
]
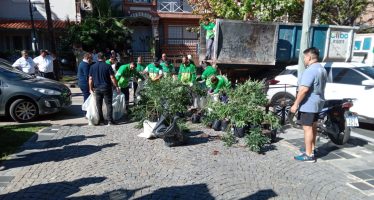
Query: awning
[{"x": 26, "y": 24}]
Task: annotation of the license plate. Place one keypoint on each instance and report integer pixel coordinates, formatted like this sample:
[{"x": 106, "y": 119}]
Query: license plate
[{"x": 352, "y": 121}]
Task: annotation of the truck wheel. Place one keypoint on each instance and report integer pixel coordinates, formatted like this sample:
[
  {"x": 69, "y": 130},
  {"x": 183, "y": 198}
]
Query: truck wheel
[
  {"x": 23, "y": 110},
  {"x": 282, "y": 103}
]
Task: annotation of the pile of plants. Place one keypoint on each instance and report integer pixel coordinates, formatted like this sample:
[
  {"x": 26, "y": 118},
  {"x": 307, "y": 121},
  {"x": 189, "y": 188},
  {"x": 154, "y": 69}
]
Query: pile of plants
[
  {"x": 166, "y": 97},
  {"x": 246, "y": 114}
]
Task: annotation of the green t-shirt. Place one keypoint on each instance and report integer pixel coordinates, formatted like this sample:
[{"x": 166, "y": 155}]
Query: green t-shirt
[
  {"x": 208, "y": 72},
  {"x": 140, "y": 67},
  {"x": 187, "y": 73},
  {"x": 153, "y": 71},
  {"x": 124, "y": 74},
  {"x": 167, "y": 70},
  {"x": 223, "y": 83},
  {"x": 108, "y": 62},
  {"x": 209, "y": 30}
]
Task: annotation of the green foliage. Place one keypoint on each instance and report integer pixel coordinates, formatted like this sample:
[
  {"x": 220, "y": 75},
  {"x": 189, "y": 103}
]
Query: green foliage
[
  {"x": 98, "y": 30},
  {"x": 339, "y": 12},
  {"x": 259, "y": 10},
  {"x": 228, "y": 139},
  {"x": 255, "y": 140},
  {"x": 165, "y": 97}
]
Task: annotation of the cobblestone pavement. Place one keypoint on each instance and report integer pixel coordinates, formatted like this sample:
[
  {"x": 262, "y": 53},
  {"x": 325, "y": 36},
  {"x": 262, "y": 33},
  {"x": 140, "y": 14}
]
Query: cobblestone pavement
[{"x": 113, "y": 163}]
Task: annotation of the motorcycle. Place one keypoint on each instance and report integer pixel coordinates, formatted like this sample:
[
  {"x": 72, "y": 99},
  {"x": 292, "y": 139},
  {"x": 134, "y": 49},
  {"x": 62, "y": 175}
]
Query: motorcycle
[{"x": 335, "y": 121}]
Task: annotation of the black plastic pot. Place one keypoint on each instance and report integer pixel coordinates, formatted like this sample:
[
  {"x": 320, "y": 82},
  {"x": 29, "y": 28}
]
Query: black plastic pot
[
  {"x": 239, "y": 132},
  {"x": 217, "y": 125},
  {"x": 195, "y": 118},
  {"x": 224, "y": 125}
]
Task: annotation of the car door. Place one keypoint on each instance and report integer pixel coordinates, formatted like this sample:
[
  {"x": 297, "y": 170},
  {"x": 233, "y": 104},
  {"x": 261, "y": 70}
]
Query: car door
[{"x": 347, "y": 83}]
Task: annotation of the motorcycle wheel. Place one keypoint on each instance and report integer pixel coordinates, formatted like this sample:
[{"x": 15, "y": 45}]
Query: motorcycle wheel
[{"x": 343, "y": 134}]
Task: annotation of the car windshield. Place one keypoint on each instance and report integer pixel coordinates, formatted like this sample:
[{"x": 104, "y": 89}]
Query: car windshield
[
  {"x": 13, "y": 74},
  {"x": 289, "y": 71},
  {"x": 369, "y": 71}
]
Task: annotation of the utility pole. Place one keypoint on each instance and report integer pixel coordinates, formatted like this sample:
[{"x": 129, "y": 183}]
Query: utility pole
[
  {"x": 304, "y": 43},
  {"x": 34, "y": 38},
  {"x": 52, "y": 37}
]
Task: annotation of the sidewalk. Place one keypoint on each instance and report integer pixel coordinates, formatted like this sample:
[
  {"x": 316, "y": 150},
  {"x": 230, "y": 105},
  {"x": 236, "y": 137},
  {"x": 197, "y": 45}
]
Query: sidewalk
[{"x": 85, "y": 162}]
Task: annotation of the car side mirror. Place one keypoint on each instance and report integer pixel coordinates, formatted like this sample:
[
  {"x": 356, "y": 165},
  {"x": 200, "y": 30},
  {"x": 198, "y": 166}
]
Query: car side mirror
[{"x": 368, "y": 83}]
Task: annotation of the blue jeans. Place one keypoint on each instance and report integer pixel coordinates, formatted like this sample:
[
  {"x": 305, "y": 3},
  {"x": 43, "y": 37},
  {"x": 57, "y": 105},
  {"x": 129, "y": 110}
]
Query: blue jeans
[
  {"x": 85, "y": 91},
  {"x": 209, "y": 48}
]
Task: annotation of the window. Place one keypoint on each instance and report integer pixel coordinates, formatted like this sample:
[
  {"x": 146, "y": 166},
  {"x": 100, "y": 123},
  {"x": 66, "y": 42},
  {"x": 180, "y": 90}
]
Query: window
[
  {"x": 179, "y": 35},
  {"x": 368, "y": 71},
  {"x": 17, "y": 43},
  {"x": 289, "y": 71},
  {"x": 357, "y": 45},
  {"x": 367, "y": 44},
  {"x": 347, "y": 76}
]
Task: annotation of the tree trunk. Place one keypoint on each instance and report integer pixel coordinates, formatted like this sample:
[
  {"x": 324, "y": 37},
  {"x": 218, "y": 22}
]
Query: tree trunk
[{"x": 51, "y": 37}]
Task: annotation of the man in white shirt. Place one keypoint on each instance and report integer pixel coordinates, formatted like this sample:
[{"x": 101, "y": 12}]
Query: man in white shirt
[
  {"x": 45, "y": 64},
  {"x": 25, "y": 63}
]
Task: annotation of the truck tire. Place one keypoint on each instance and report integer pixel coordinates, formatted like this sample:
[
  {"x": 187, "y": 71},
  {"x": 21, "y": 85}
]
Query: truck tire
[
  {"x": 23, "y": 110},
  {"x": 282, "y": 102}
]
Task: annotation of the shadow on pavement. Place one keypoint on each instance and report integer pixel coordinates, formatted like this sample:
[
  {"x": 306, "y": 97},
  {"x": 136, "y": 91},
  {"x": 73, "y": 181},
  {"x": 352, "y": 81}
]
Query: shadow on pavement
[
  {"x": 58, "y": 190},
  {"x": 261, "y": 195},
  {"x": 55, "y": 155},
  {"x": 62, "y": 142},
  {"x": 197, "y": 191}
]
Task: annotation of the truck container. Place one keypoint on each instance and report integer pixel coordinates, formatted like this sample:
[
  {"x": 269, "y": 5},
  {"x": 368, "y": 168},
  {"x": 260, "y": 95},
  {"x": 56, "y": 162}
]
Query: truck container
[{"x": 248, "y": 43}]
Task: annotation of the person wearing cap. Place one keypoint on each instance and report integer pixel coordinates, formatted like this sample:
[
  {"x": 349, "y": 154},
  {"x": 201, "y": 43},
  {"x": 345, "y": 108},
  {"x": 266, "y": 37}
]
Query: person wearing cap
[
  {"x": 44, "y": 63},
  {"x": 123, "y": 75},
  {"x": 167, "y": 69},
  {"x": 154, "y": 70},
  {"x": 25, "y": 63},
  {"x": 187, "y": 72}
]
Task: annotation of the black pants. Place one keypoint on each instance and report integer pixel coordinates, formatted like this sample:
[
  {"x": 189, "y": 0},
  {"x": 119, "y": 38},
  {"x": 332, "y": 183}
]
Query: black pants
[
  {"x": 135, "y": 84},
  {"x": 107, "y": 95},
  {"x": 49, "y": 75},
  {"x": 126, "y": 92}
]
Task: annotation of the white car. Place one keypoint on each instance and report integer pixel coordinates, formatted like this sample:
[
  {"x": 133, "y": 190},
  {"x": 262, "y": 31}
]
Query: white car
[{"x": 345, "y": 80}]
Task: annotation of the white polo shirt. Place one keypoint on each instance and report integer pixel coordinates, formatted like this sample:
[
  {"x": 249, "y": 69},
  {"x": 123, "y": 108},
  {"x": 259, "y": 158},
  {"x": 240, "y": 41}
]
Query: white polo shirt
[
  {"x": 26, "y": 65},
  {"x": 45, "y": 64}
]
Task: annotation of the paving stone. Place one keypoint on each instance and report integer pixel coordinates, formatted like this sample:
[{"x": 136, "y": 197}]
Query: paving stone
[
  {"x": 361, "y": 175},
  {"x": 362, "y": 186},
  {"x": 344, "y": 155},
  {"x": 369, "y": 172},
  {"x": 331, "y": 156},
  {"x": 371, "y": 182}
]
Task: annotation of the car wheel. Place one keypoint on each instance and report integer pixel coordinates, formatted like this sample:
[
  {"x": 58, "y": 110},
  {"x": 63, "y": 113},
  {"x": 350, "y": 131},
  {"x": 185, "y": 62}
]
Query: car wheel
[
  {"x": 23, "y": 110},
  {"x": 282, "y": 103}
]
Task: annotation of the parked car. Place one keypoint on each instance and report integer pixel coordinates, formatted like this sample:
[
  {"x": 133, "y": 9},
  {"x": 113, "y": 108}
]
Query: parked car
[
  {"x": 345, "y": 80},
  {"x": 24, "y": 97}
]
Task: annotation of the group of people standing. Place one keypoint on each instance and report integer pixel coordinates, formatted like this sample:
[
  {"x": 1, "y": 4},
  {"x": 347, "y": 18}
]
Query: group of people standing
[
  {"x": 103, "y": 76},
  {"x": 41, "y": 65}
]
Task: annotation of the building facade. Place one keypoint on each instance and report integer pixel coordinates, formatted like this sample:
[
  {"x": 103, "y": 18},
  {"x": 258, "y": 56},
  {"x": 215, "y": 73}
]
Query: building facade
[{"x": 161, "y": 26}]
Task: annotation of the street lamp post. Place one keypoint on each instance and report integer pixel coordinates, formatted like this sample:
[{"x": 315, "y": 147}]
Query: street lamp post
[{"x": 34, "y": 38}]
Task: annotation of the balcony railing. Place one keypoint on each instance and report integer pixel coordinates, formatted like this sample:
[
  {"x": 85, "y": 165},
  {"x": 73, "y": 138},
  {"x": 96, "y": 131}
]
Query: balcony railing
[
  {"x": 173, "y": 6},
  {"x": 139, "y": 1}
]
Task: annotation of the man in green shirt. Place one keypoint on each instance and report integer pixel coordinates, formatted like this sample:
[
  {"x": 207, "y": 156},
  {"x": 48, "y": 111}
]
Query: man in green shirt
[
  {"x": 209, "y": 71},
  {"x": 219, "y": 84},
  {"x": 123, "y": 75},
  {"x": 112, "y": 61},
  {"x": 187, "y": 72},
  {"x": 140, "y": 66},
  {"x": 209, "y": 27},
  {"x": 167, "y": 69},
  {"x": 154, "y": 70}
]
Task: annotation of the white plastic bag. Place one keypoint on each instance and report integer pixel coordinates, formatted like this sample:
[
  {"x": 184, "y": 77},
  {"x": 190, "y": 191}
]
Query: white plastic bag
[
  {"x": 118, "y": 104},
  {"x": 148, "y": 129},
  {"x": 91, "y": 108}
]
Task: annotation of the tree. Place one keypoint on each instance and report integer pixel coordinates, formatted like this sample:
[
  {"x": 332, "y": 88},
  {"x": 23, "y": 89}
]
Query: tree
[
  {"x": 99, "y": 29},
  {"x": 258, "y": 10},
  {"x": 339, "y": 12}
]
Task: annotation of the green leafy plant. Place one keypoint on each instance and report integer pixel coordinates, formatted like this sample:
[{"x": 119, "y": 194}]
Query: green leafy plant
[
  {"x": 255, "y": 140},
  {"x": 228, "y": 139},
  {"x": 166, "y": 97}
]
